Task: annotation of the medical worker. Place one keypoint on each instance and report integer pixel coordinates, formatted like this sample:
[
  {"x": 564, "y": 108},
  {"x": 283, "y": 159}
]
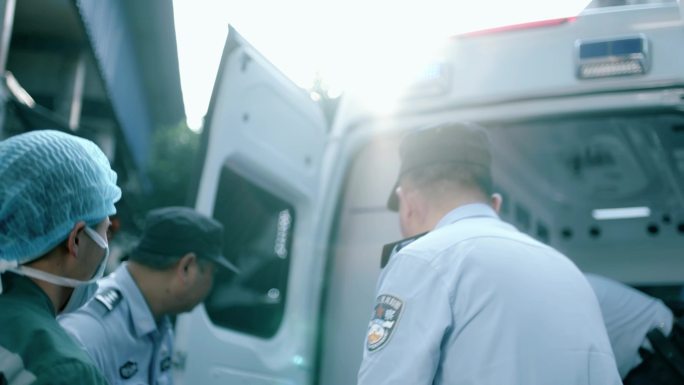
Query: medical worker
[{"x": 57, "y": 192}]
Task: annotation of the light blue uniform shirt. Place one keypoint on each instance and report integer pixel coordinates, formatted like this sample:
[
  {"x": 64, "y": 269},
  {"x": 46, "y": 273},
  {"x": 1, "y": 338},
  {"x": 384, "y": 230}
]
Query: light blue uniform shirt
[
  {"x": 121, "y": 335},
  {"x": 629, "y": 315},
  {"x": 477, "y": 302}
]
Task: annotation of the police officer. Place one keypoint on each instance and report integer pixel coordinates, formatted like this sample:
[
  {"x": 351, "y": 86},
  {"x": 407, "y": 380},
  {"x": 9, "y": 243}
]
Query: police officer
[
  {"x": 474, "y": 301},
  {"x": 126, "y": 327},
  {"x": 57, "y": 192},
  {"x": 634, "y": 322}
]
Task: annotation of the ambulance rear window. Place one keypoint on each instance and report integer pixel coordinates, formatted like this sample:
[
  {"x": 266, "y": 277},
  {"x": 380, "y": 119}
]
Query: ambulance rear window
[{"x": 258, "y": 232}]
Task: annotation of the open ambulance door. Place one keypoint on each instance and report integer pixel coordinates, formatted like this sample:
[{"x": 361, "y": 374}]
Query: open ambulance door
[{"x": 264, "y": 140}]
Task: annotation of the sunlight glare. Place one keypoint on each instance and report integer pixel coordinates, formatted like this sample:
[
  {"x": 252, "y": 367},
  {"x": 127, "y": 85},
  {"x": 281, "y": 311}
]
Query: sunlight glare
[{"x": 373, "y": 48}]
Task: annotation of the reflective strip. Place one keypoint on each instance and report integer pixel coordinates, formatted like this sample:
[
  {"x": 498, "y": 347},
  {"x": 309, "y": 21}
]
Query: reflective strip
[{"x": 12, "y": 368}]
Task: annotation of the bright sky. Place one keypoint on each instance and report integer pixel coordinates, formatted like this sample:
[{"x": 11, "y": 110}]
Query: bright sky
[{"x": 337, "y": 40}]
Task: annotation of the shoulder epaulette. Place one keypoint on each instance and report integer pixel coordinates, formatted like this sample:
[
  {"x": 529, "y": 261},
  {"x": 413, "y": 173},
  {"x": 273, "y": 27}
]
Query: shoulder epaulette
[{"x": 108, "y": 299}]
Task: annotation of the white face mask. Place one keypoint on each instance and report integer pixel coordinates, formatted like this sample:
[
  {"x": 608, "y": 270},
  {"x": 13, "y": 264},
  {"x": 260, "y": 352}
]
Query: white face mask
[{"x": 83, "y": 290}]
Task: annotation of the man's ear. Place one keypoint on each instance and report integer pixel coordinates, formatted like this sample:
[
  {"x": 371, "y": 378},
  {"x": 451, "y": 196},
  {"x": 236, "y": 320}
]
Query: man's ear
[
  {"x": 399, "y": 192},
  {"x": 185, "y": 265},
  {"x": 415, "y": 206},
  {"x": 72, "y": 240},
  {"x": 497, "y": 201},
  {"x": 405, "y": 201}
]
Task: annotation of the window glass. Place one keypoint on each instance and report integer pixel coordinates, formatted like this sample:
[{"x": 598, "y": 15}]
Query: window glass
[{"x": 258, "y": 232}]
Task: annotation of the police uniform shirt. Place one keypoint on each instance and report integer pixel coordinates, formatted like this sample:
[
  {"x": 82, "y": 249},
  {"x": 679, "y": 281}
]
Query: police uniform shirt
[
  {"x": 629, "y": 315},
  {"x": 477, "y": 302},
  {"x": 119, "y": 332}
]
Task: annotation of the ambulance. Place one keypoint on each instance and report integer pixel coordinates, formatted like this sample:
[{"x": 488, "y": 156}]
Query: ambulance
[{"x": 586, "y": 119}]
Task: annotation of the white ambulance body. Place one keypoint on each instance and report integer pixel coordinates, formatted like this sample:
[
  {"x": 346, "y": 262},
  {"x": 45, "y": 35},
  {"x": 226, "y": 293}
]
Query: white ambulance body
[{"x": 585, "y": 114}]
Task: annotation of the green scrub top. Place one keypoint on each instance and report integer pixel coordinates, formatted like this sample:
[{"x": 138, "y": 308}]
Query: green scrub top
[{"x": 34, "y": 349}]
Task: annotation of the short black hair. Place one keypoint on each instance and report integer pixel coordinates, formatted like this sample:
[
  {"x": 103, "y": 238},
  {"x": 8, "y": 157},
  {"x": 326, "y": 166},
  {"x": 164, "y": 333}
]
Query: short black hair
[
  {"x": 440, "y": 176},
  {"x": 449, "y": 155}
]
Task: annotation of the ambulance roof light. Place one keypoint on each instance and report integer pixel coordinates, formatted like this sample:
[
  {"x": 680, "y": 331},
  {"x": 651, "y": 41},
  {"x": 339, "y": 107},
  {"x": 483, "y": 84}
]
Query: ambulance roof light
[{"x": 519, "y": 27}]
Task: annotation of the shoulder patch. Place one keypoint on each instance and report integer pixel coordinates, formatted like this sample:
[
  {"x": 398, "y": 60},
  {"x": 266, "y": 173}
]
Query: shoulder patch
[
  {"x": 385, "y": 318},
  {"x": 109, "y": 299}
]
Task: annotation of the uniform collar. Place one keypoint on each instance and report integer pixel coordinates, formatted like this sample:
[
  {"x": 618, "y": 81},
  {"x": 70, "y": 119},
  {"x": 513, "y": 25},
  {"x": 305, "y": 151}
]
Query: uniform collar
[
  {"x": 474, "y": 210},
  {"x": 390, "y": 249},
  {"x": 141, "y": 315},
  {"x": 467, "y": 211}
]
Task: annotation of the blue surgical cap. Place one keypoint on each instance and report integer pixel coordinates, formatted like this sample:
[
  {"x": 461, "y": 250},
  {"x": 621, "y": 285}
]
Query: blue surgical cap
[{"x": 49, "y": 181}]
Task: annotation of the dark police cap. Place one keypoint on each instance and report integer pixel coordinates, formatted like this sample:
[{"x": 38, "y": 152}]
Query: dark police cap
[
  {"x": 176, "y": 231},
  {"x": 465, "y": 143}
]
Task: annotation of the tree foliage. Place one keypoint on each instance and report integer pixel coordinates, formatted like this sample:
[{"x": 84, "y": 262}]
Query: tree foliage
[
  {"x": 166, "y": 180},
  {"x": 171, "y": 164}
]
